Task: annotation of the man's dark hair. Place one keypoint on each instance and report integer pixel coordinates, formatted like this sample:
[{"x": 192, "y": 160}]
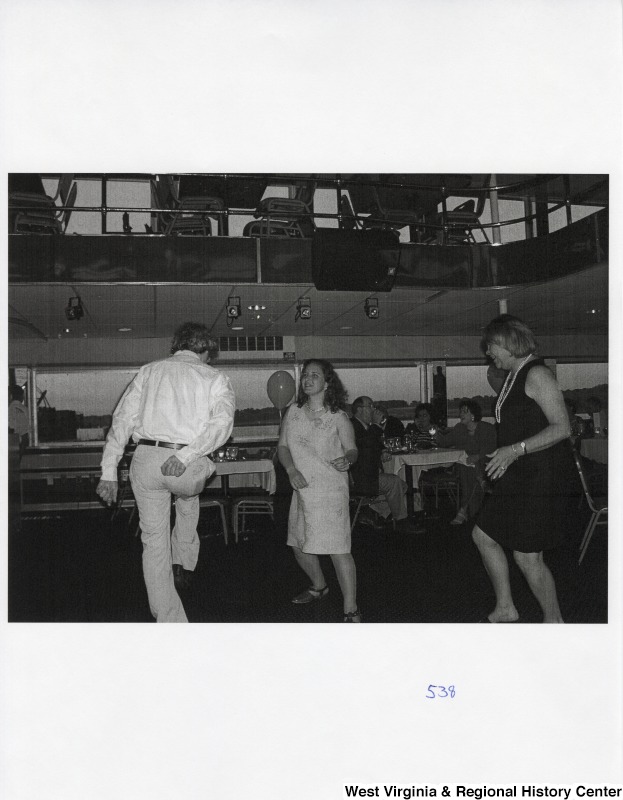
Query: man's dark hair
[
  {"x": 195, "y": 337},
  {"x": 16, "y": 392}
]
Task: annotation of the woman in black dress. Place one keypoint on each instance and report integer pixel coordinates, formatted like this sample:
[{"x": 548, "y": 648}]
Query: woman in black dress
[{"x": 532, "y": 470}]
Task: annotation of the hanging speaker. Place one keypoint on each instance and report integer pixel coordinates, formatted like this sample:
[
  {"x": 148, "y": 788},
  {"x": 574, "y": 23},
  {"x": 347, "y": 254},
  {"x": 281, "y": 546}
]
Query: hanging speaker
[{"x": 365, "y": 260}]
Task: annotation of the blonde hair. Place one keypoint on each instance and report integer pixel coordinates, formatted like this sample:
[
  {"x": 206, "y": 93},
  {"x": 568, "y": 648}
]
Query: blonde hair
[{"x": 512, "y": 334}]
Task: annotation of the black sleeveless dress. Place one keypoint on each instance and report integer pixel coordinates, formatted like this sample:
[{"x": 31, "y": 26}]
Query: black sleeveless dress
[{"x": 527, "y": 509}]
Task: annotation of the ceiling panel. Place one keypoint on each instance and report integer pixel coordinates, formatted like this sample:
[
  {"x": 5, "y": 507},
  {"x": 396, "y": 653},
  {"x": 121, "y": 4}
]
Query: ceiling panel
[{"x": 575, "y": 303}]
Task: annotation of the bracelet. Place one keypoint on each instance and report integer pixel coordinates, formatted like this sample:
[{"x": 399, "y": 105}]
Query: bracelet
[{"x": 522, "y": 445}]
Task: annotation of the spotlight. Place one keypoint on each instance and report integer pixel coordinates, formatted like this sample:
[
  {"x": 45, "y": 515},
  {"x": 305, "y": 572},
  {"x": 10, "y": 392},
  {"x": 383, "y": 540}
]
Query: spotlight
[
  {"x": 303, "y": 309},
  {"x": 371, "y": 307},
  {"x": 233, "y": 307},
  {"x": 74, "y": 308},
  {"x": 233, "y": 310}
]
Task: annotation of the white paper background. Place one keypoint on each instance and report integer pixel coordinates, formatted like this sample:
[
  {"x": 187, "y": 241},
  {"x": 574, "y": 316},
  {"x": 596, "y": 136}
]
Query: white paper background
[{"x": 295, "y": 712}]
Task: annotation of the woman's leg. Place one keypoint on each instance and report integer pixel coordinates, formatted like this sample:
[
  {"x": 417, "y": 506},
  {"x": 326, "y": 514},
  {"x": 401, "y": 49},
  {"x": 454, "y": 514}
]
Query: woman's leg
[
  {"x": 310, "y": 564},
  {"x": 494, "y": 560},
  {"x": 347, "y": 578},
  {"x": 541, "y": 581}
]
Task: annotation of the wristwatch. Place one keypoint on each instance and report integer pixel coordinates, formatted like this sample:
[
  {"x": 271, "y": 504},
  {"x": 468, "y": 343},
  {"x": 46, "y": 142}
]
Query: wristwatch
[{"x": 523, "y": 448}]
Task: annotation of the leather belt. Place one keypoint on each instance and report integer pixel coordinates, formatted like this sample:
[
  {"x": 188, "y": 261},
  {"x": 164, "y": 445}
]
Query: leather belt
[{"x": 170, "y": 445}]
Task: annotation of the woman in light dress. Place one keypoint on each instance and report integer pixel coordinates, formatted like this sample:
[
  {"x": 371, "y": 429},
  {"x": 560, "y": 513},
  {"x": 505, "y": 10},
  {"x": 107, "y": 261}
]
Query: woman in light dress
[{"x": 317, "y": 448}]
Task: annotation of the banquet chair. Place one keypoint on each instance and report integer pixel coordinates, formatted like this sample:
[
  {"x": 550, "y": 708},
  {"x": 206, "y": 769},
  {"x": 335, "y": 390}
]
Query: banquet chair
[
  {"x": 247, "y": 505},
  {"x": 190, "y": 217},
  {"x": 127, "y": 500},
  {"x": 35, "y": 213},
  {"x": 598, "y": 509},
  {"x": 281, "y": 216},
  {"x": 390, "y": 219},
  {"x": 440, "y": 480},
  {"x": 463, "y": 219},
  {"x": 361, "y": 501},
  {"x": 185, "y": 216},
  {"x": 206, "y": 501}
]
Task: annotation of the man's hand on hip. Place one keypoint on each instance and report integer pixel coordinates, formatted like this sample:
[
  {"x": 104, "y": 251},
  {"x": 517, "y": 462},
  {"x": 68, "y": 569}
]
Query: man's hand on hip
[
  {"x": 107, "y": 490},
  {"x": 173, "y": 466}
]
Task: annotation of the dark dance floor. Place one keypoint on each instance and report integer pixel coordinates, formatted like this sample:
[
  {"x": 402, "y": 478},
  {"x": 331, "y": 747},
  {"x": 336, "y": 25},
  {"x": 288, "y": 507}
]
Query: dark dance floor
[{"x": 81, "y": 567}]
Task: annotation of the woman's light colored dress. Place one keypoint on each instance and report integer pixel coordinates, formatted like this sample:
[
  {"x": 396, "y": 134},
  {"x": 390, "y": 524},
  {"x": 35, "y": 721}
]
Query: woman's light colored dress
[{"x": 319, "y": 520}]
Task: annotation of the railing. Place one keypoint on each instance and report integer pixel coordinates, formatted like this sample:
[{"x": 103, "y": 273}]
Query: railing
[{"x": 430, "y": 222}]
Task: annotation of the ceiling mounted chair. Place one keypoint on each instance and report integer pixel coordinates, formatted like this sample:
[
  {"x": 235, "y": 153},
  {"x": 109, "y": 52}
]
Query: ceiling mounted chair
[
  {"x": 39, "y": 212},
  {"x": 389, "y": 209},
  {"x": 187, "y": 215},
  {"x": 284, "y": 216},
  {"x": 33, "y": 213},
  {"x": 463, "y": 219}
]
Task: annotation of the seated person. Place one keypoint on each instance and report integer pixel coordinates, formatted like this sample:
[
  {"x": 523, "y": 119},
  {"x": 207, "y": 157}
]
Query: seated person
[
  {"x": 595, "y": 473},
  {"x": 18, "y": 412},
  {"x": 367, "y": 474},
  {"x": 578, "y": 426},
  {"x": 391, "y": 427},
  {"x": 420, "y": 429},
  {"x": 598, "y": 415},
  {"x": 478, "y": 439}
]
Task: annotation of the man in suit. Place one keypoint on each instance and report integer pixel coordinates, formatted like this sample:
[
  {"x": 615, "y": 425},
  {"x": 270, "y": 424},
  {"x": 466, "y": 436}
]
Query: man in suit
[
  {"x": 391, "y": 427},
  {"x": 367, "y": 474}
]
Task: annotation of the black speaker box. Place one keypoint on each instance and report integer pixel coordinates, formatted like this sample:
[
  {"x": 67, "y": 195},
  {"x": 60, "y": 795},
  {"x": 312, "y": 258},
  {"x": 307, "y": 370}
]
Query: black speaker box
[{"x": 362, "y": 260}]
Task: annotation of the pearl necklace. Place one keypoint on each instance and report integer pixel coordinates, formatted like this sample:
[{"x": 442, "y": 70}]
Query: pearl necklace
[
  {"x": 508, "y": 385},
  {"x": 315, "y": 410}
]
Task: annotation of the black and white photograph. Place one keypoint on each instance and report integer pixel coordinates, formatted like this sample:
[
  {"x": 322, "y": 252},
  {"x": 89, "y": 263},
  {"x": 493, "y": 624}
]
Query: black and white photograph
[
  {"x": 313, "y": 319},
  {"x": 389, "y": 295}
]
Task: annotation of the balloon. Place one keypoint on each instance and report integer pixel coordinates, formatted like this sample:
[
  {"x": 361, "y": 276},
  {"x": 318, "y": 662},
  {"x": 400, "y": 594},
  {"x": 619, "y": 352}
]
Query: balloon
[
  {"x": 496, "y": 378},
  {"x": 280, "y": 388}
]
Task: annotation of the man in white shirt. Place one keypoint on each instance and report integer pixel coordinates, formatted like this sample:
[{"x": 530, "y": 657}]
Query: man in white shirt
[
  {"x": 180, "y": 403},
  {"x": 18, "y": 412}
]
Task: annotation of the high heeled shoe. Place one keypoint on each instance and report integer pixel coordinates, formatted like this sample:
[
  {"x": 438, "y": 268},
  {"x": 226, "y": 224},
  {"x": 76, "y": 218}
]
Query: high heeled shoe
[
  {"x": 349, "y": 616},
  {"x": 310, "y": 595}
]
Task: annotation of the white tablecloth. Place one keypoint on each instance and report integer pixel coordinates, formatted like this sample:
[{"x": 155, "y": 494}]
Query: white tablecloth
[
  {"x": 422, "y": 461},
  {"x": 258, "y": 473},
  {"x": 596, "y": 449}
]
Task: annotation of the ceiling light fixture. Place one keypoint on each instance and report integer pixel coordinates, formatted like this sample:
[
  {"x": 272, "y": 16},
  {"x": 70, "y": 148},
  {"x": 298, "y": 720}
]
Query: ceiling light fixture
[
  {"x": 303, "y": 309},
  {"x": 74, "y": 309},
  {"x": 371, "y": 307},
  {"x": 256, "y": 307}
]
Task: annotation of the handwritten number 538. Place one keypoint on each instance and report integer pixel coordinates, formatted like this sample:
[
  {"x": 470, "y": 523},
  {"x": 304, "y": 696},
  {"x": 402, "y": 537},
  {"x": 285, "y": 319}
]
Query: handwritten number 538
[{"x": 439, "y": 691}]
